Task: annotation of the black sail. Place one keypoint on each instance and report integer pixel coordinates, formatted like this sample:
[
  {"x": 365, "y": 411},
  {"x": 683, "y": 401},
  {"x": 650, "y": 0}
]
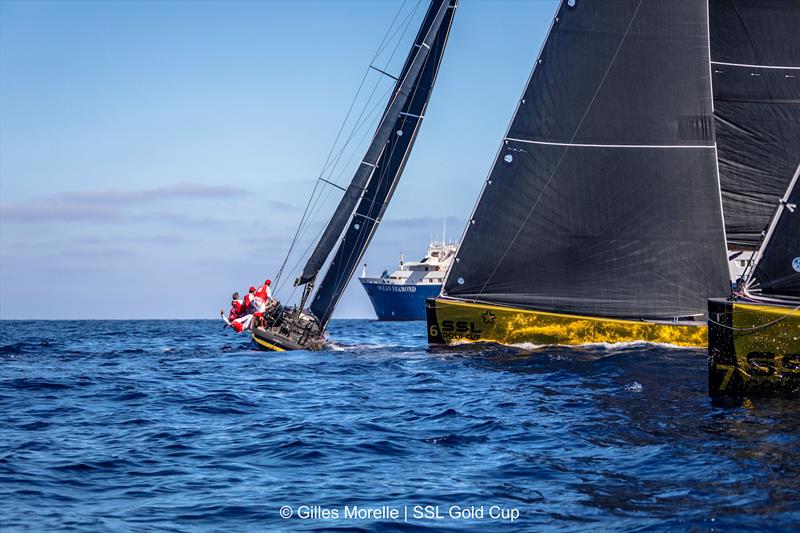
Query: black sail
[
  {"x": 777, "y": 270},
  {"x": 382, "y": 182},
  {"x": 406, "y": 85},
  {"x": 755, "y": 55},
  {"x": 604, "y": 197}
]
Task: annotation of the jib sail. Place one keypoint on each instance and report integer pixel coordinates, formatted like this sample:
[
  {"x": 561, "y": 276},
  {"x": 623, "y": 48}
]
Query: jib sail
[
  {"x": 604, "y": 196},
  {"x": 777, "y": 268},
  {"x": 755, "y": 63},
  {"x": 365, "y": 201}
]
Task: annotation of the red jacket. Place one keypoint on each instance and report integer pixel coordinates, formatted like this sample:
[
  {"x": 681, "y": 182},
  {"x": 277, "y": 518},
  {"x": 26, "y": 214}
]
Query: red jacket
[
  {"x": 237, "y": 310},
  {"x": 262, "y": 292},
  {"x": 248, "y": 301}
]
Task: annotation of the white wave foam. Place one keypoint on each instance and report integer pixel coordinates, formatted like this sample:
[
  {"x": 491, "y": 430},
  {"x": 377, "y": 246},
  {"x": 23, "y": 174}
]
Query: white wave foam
[
  {"x": 635, "y": 344},
  {"x": 634, "y": 387},
  {"x": 334, "y": 347},
  {"x": 527, "y": 345}
]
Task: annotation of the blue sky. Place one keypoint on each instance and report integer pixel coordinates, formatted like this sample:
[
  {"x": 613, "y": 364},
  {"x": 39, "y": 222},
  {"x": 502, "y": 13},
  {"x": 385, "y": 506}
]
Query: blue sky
[{"x": 155, "y": 156}]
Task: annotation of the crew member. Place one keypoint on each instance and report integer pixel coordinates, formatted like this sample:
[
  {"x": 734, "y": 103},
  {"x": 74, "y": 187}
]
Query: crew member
[
  {"x": 249, "y": 301},
  {"x": 263, "y": 296},
  {"x": 239, "y": 318},
  {"x": 237, "y": 308}
]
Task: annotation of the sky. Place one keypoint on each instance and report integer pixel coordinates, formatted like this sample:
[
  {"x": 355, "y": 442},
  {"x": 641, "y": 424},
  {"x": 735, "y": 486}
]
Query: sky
[{"x": 157, "y": 156}]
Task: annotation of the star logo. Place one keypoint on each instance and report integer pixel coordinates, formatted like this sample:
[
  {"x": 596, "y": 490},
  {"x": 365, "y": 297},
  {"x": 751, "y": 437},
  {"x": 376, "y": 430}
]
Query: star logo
[{"x": 488, "y": 317}]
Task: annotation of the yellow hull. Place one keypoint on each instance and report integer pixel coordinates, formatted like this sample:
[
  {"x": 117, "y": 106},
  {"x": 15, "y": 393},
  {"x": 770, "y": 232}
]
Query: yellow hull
[
  {"x": 754, "y": 349},
  {"x": 451, "y": 322}
]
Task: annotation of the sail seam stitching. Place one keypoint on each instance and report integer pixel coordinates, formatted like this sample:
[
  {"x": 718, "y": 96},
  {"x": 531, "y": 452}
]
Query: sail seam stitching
[
  {"x": 778, "y": 67},
  {"x": 612, "y": 145}
]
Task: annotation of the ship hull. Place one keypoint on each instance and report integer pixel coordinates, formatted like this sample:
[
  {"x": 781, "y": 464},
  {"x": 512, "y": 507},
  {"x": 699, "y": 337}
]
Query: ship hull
[
  {"x": 283, "y": 331},
  {"x": 754, "y": 349},
  {"x": 454, "y": 322},
  {"x": 394, "y": 301},
  {"x": 270, "y": 342}
]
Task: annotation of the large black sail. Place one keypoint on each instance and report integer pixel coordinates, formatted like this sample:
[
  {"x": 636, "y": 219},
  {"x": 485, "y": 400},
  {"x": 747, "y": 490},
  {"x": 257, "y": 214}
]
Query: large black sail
[
  {"x": 382, "y": 182},
  {"x": 755, "y": 60},
  {"x": 406, "y": 83},
  {"x": 777, "y": 270},
  {"x": 604, "y": 197}
]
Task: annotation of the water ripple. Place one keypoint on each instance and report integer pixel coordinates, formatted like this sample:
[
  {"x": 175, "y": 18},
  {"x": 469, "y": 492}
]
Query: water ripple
[{"x": 162, "y": 426}]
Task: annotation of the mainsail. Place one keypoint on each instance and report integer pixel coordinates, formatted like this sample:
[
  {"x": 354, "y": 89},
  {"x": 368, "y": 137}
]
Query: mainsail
[
  {"x": 604, "y": 197},
  {"x": 776, "y": 273},
  {"x": 365, "y": 200},
  {"x": 755, "y": 61}
]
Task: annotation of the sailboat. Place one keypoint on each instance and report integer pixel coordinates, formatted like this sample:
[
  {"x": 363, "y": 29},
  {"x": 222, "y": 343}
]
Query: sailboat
[
  {"x": 601, "y": 217},
  {"x": 754, "y": 338},
  {"x": 365, "y": 200}
]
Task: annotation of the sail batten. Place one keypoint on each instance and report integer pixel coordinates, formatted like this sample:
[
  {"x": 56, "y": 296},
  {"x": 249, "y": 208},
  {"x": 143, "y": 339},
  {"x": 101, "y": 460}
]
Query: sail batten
[{"x": 603, "y": 199}]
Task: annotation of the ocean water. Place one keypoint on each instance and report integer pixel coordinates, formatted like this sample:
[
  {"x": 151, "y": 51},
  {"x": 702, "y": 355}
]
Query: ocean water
[{"x": 179, "y": 425}]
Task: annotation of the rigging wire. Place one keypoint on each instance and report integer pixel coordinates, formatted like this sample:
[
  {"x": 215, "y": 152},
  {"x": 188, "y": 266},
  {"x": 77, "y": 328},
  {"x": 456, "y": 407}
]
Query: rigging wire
[
  {"x": 402, "y": 25},
  {"x": 314, "y": 201},
  {"x": 343, "y": 168},
  {"x": 333, "y": 146},
  {"x": 311, "y": 242},
  {"x": 310, "y": 210},
  {"x": 760, "y": 326},
  {"x": 334, "y": 158},
  {"x": 388, "y": 35},
  {"x": 327, "y": 195},
  {"x": 382, "y": 178},
  {"x": 319, "y": 198}
]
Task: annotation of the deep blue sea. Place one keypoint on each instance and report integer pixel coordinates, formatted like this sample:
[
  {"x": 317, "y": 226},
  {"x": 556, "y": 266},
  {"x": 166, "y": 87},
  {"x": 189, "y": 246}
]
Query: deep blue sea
[{"x": 181, "y": 425}]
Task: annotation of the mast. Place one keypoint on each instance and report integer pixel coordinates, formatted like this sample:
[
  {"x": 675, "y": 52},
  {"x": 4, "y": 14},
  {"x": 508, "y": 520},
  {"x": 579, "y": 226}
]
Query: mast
[
  {"x": 603, "y": 199},
  {"x": 755, "y": 63},
  {"x": 403, "y": 88}
]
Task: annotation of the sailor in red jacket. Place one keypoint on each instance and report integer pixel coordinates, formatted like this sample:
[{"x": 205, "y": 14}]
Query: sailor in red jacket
[
  {"x": 237, "y": 308},
  {"x": 249, "y": 301},
  {"x": 239, "y": 318},
  {"x": 263, "y": 296}
]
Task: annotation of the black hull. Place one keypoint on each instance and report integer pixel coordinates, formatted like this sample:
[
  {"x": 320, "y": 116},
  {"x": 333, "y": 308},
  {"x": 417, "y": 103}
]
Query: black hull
[
  {"x": 274, "y": 342},
  {"x": 284, "y": 330},
  {"x": 270, "y": 340}
]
